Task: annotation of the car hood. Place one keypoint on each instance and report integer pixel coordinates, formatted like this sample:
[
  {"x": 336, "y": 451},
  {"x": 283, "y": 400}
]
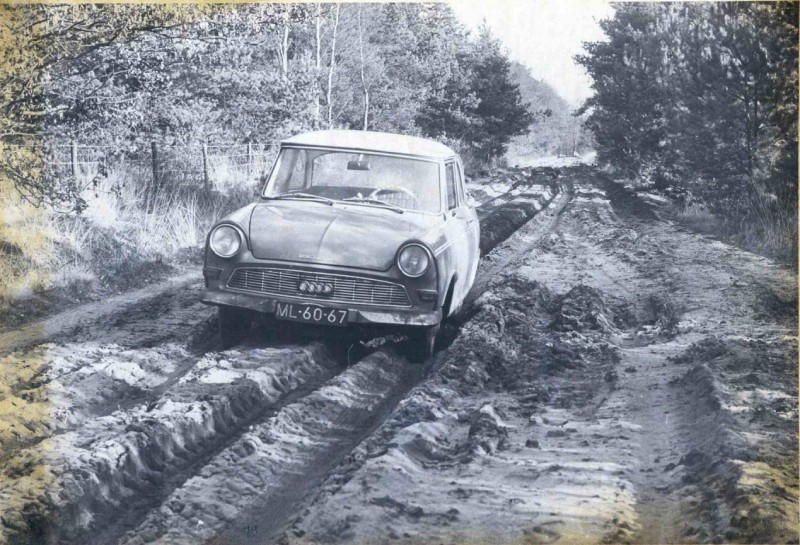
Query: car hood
[{"x": 344, "y": 235}]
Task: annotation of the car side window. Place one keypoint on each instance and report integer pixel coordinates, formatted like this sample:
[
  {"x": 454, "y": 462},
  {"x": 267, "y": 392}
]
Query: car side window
[
  {"x": 462, "y": 193},
  {"x": 452, "y": 199}
]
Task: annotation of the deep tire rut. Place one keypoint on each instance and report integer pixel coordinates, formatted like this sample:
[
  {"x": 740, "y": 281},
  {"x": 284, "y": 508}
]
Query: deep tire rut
[
  {"x": 246, "y": 417},
  {"x": 619, "y": 381},
  {"x": 274, "y": 459},
  {"x": 159, "y": 437}
]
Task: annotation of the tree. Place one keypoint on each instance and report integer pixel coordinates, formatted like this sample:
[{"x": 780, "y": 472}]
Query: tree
[
  {"x": 479, "y": 104},
  {"x": 631, "y": 89},
  {"x": 500, "y": 105},
  {"x": 556, "y": 128},
  {"x": 701, "y": 99},
  {"x": 331, "y": 67},
  {"x": 121, "y": 76},
  {"x": 38, "y": 44}
]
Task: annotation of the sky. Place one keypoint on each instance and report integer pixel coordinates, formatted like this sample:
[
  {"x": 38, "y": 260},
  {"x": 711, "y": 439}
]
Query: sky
[{"x": 543, "y": 35}]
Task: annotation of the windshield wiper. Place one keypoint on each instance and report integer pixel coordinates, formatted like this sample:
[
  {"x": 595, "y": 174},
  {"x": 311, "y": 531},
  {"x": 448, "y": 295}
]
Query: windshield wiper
[
  {"x": 390, "y": 206},
  {"x": 300, "y": 195}
]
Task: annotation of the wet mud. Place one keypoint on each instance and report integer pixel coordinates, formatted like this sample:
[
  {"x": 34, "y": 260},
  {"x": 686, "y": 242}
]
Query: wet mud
[{"x": 613, "y": 378}]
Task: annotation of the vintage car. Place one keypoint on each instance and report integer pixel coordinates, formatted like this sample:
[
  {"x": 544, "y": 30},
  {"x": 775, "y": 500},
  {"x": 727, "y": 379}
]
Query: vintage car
[{"x": 352, "y": 228}]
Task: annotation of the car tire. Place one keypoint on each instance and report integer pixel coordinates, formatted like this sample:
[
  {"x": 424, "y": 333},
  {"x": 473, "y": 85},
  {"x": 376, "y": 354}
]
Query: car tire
[
  {"x": 422, "y": 343},
  {"x": 456, "y": 315},
  {"x": 233, "y": 324}
]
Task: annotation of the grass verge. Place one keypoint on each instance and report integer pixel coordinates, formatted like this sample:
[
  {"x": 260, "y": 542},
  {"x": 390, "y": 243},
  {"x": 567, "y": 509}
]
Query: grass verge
[
  {"x": 773, "y": 235},
  {"x": 51, "y": 261}
]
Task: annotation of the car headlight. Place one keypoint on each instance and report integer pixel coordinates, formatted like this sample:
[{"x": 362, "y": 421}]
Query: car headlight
[
  {"x": 413, "y": 260},
  {"x": 225, "y": 241}
]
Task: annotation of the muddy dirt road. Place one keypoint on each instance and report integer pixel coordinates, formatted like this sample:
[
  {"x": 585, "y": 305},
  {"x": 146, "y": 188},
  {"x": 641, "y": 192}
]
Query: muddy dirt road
[{"x": 615, "y": 379}]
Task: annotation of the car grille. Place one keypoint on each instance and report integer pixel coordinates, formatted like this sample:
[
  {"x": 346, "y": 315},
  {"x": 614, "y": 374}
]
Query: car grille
[{"x": 346, "y": 289}]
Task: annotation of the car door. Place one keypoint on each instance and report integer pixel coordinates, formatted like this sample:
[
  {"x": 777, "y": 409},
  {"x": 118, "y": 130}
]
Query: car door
[
  {"x": 470, "y": 216},
  {"x": 457, "y": 233}
]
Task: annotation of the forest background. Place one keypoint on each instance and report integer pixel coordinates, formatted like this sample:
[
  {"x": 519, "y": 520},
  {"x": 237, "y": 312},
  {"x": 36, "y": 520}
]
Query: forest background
[{"x": 127, "y": 130}]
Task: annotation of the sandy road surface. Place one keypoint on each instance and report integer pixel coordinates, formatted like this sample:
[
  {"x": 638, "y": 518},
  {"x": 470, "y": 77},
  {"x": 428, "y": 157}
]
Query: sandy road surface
[
  {"x": 114, "y": 413},
  {"x": 615, "y": 379},
  {"x": 622, "y": 381}
]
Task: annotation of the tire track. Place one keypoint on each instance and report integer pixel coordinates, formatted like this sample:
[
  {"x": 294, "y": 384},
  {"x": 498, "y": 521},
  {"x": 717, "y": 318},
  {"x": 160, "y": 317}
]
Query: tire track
[
  {"x": 116, "y": 463},
  {"x": 486, "y": 449},
  {"x": 521, "y": 178},
  {"x": 279, "y": 461},
  {"x": 138, "y": 414},
  {"x": 130, "y": 357},
  {"x": 67, "y": 323}
]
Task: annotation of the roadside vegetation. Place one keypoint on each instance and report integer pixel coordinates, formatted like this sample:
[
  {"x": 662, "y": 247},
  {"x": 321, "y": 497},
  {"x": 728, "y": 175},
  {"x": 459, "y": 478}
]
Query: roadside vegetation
[
  {"x": 123, "y": 128},
  {"x": 557, "y": 130},
  {"x": 51, "y": 261},
  {"x": 699, "y": 102}
]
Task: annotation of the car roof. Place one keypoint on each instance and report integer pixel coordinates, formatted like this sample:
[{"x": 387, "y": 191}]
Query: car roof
[{"x": 381, "y": 142}]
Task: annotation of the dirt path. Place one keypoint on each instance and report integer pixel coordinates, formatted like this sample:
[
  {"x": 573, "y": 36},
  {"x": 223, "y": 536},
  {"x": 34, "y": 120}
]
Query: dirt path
[
  {"x": 615, "y": 379},
  {"x": 89, "y": 314},
  {"x": 130, "y": 406},
  {"x": 623, "y": 381}
]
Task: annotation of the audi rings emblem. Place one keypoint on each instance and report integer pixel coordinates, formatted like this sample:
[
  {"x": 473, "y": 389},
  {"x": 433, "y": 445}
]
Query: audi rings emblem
[{"x": 321, "y": 288}]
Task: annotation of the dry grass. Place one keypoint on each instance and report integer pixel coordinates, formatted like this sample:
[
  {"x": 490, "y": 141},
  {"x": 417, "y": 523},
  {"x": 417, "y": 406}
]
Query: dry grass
[
  {"x": 49, "y": 260},
  {"x": 25, "y": 245},
  {"x": 772, "y": 231},
  {"x": 698, "y": 217}
]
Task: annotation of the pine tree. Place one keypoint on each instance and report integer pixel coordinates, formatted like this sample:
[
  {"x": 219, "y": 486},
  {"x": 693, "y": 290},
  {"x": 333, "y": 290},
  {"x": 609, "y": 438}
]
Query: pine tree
[
  {"x": 701, "y": 99},
  {"x": 479, "y": 105},
  {"x": 500, "y": 106}
]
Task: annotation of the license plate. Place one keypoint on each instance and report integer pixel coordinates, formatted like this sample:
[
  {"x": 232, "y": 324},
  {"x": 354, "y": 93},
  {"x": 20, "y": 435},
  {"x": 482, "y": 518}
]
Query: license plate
[{"x": 311, "y": 314}]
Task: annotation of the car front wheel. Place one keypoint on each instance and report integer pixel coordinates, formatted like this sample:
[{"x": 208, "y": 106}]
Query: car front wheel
[
  {"x": 422, "y": 343},
  {"x": 233, "y": 324}
]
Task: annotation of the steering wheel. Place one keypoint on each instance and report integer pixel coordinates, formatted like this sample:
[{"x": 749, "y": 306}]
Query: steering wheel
[{"x": 375, "y": 193}]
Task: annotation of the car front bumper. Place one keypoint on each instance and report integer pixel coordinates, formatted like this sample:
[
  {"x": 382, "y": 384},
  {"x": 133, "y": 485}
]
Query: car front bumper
[{"x": 266, "y": 304}]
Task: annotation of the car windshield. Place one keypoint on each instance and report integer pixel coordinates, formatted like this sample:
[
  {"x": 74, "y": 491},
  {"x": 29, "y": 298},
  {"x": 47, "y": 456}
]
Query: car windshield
[{"x": 398, "y": 183}]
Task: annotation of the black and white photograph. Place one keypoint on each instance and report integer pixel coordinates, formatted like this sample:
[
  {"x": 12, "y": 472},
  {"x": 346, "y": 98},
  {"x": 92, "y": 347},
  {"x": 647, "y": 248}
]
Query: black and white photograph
[{"x": 431, "y": 273}]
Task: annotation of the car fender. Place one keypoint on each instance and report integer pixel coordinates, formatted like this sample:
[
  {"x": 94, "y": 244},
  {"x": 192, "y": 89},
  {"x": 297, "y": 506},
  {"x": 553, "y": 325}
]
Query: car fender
[
  {"x": 435, "y": 239},
  {"x": 240, "y": 219}
]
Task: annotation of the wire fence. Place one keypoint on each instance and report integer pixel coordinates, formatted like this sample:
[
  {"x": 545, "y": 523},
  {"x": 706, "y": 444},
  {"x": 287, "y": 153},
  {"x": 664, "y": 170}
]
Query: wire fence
[{"x": 207, "y": 166}]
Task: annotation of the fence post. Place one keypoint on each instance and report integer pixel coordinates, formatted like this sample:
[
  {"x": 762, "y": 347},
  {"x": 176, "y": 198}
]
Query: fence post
[
  {"x": 249, "y": 159},
  {"x": 74, "y": 158},
  {"x": 154, "y": 186},
  {"x": 206, "y": 184}
]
